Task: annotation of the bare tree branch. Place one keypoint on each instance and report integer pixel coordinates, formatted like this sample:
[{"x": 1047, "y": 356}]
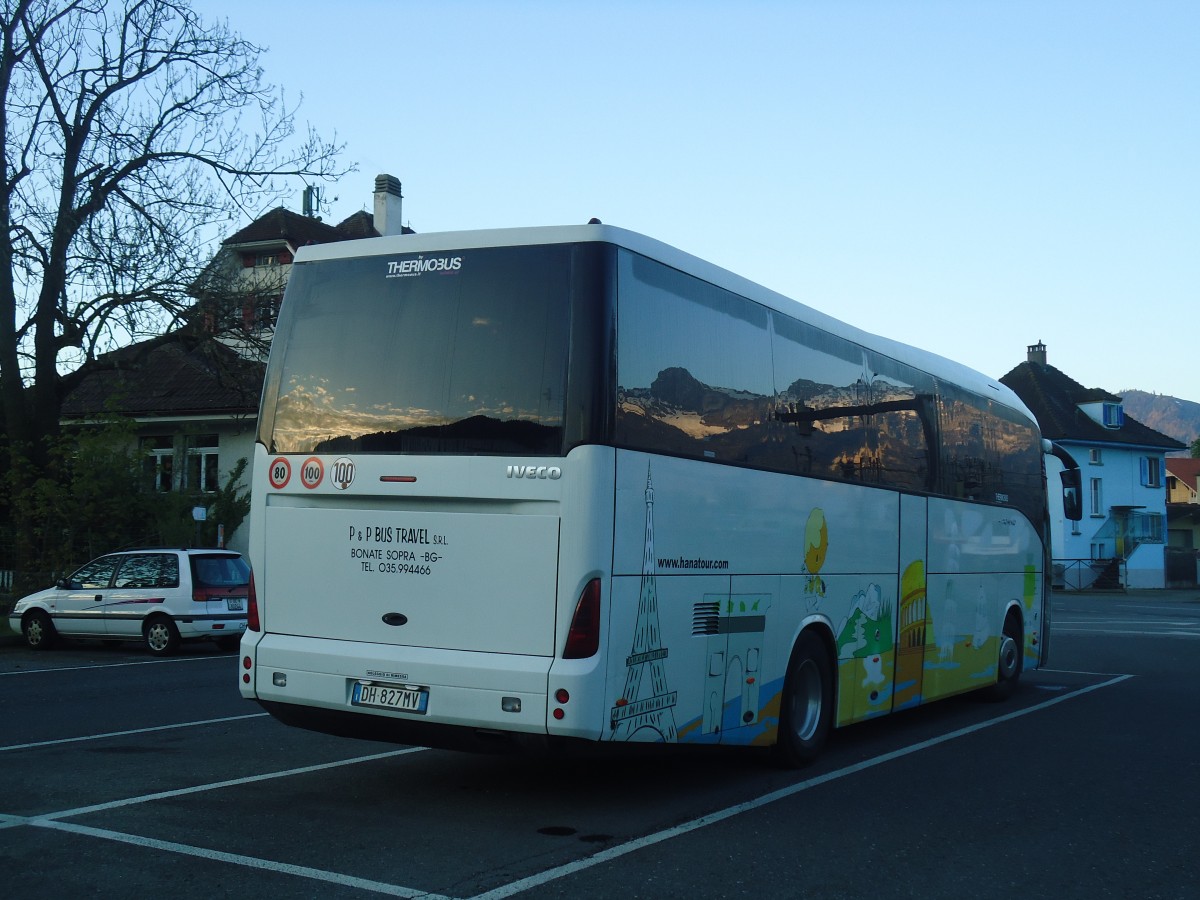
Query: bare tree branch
[{"x": 131, "y": 131}]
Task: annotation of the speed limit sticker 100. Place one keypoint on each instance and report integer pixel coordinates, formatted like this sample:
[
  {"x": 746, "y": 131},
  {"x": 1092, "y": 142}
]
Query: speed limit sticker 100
[{"x": 311, "y": 472}]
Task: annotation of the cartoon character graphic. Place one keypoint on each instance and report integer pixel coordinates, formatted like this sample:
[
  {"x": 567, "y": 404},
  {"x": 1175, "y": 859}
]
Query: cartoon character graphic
[
  {"x": 816, "y": 545},
  {"x": 865, "y": 639}
]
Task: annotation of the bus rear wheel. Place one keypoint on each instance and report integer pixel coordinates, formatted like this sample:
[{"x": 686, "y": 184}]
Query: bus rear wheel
[{"x": 806, "y": 707}]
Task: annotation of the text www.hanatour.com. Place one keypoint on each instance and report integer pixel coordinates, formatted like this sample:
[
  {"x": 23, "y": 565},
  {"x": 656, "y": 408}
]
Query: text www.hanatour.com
[{"x": 679, "y": 562}]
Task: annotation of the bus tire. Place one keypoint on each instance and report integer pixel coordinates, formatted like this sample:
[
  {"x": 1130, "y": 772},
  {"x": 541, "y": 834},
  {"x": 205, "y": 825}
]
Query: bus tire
[
  {"x": 806, "y": 704},
  {"x": 1011, "y": 660},
  {"x": 38, "y": 630},
  {"x": 162, "y": 637}
]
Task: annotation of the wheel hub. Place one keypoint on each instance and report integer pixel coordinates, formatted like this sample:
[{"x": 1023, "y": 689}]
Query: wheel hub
[{"x": 1008, "y": 656}]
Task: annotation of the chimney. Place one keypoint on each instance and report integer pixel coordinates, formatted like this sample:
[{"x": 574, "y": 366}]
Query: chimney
[
  {"x": 1034, "y": 353},
  {"x": 387, "y": 205}
]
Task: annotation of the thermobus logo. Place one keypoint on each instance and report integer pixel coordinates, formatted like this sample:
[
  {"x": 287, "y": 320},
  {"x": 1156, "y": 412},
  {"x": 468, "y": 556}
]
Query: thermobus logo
[{"x": 406, "y": 268}]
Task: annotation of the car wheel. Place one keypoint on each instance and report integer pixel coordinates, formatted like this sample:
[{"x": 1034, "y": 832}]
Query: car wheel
[
  {"x": 162, "y": 637},
  {"x": 1011, "y": 661},
  {"x": 39, "y": 631},
  {"x": 806, "y": 707}
]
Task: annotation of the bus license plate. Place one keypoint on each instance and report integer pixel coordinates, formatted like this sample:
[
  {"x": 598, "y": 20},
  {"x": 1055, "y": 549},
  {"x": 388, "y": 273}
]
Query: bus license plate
[
  {"x": 235, "y": 604},
  {"x": 384, "y": 696}
]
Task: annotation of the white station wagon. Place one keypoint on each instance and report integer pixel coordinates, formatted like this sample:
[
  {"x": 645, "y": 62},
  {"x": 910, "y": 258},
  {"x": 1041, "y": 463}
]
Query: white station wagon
[{"x": 161, "y": 597}]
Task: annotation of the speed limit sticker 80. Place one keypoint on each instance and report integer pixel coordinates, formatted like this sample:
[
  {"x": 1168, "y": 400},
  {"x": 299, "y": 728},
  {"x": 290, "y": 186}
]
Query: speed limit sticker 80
[{"x": 280, "y": 473}]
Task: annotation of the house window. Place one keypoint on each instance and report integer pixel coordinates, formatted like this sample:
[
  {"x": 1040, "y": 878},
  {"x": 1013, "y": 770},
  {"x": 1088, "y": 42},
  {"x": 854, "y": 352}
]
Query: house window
[
  {"x": 203, "y": 473},
  {"x": 1152, "y": 471},
  {"x": 266, "y": 311},
  {"x": 1097, "y": 497},
  {"x": 1114, "y": 415},
  {"x": 266, "y": 259},
  {"x": 1094, "y": 457},
  {"x": 260, "y": 311},
  {"x": 1147, "y": 528},
  {"x": 160, "y": 462}
]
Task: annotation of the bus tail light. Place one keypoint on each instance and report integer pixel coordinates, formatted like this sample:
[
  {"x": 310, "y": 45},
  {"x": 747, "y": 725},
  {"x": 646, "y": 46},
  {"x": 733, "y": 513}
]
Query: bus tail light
[
  {"x": 583, "y": 640},
  {"x": 252, "y": 607}
]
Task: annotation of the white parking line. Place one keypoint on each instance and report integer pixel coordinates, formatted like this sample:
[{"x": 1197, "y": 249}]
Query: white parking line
[
  {"x": 140, "y": 662},
  {"x": 112, "y": 734},
  {"x": 238, "y": 859},
  {"x": 51, "y": 820},
  {"x": 217, "y": 785},
  {"x": 649, "y": 840}
]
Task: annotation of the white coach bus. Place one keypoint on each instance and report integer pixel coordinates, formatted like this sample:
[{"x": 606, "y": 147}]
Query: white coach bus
[{"x": 543, "y": 486}]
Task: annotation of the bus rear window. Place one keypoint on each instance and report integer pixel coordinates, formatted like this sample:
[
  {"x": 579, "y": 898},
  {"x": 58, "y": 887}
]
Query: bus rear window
[{"x": 455, "y": 352}]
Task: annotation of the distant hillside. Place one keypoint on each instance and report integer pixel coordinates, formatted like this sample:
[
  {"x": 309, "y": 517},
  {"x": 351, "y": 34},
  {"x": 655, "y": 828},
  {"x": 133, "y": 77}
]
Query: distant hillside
[{"x": 1173, "y": 417}]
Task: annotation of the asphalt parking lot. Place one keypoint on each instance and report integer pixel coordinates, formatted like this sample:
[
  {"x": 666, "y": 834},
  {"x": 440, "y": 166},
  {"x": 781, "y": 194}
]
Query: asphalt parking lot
[{"x": 127, "y": 774}]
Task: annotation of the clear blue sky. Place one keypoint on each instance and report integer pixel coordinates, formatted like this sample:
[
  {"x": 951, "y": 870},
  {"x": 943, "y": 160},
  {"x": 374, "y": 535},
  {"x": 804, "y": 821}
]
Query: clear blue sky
[{"x": 970, "y": 176}]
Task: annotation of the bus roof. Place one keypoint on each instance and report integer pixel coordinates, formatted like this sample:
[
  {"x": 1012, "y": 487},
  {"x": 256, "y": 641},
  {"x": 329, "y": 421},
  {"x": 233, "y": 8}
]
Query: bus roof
[{"x": 938, "y": 366}]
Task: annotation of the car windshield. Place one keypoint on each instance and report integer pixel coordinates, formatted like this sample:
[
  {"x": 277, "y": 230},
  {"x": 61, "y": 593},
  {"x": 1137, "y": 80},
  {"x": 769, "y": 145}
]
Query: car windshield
[
  {"x": 220, "y": 571},
  {"x": 96, "y": 574}
]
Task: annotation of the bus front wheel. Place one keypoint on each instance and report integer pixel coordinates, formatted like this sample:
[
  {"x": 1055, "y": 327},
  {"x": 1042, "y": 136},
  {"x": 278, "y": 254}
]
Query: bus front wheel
[
  {"x": 1011, "y": 662},
  {"x": 806, "y": 707}
]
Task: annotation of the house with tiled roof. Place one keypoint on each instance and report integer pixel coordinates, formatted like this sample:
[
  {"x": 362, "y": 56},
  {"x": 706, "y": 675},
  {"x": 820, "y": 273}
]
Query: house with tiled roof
[
  {"x": 1183, "y": 521},
  {"x": 194, "y": 393},
  {"x": 1182, "y": 474},
  {"x": 240, "y": 290},
  {"x": 195, "y": 402},
  {"x": 1121, "y": 539}
]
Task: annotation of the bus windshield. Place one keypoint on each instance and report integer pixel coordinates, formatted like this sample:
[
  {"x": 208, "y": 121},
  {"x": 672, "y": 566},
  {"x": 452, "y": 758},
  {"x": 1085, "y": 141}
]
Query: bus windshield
[{"x": 461, "y": 352}]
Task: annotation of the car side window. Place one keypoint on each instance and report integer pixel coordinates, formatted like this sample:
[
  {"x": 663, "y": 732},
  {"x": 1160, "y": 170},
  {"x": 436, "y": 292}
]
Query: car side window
[
  {"x": 148, "y": 570},
  {"x": 96, "y": 575},
  {"x": 168, "y": 575}
]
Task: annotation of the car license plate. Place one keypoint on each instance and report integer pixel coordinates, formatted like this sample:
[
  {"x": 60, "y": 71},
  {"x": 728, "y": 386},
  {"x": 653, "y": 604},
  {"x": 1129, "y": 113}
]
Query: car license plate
[
  {"x": 390, "y": 696},
  {"x": 235, "y": 604}
]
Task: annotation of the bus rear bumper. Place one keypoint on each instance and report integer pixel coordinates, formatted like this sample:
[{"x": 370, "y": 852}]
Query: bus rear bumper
[
  {"x": 417, "y": 732},
  {"x": 301, "y": 680}
]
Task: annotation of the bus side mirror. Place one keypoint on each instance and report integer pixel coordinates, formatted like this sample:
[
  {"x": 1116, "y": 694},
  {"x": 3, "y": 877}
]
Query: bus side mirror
[{"x": 1072, "y": 494}]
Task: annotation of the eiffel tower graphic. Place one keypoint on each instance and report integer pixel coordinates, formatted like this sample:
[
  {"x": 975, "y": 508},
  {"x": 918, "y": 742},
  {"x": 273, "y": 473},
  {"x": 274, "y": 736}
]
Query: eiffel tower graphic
[{"x": 646, "y": 702}]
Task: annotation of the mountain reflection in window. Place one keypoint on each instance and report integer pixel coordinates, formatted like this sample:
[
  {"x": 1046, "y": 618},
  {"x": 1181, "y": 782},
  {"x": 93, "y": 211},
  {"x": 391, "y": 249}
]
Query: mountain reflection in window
[
  {"x": 879, "y": 436},
  {"x": 705, "y": 373},
  {"x": 463, "y": 360},
  {"x": 476, "y": 435}
]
